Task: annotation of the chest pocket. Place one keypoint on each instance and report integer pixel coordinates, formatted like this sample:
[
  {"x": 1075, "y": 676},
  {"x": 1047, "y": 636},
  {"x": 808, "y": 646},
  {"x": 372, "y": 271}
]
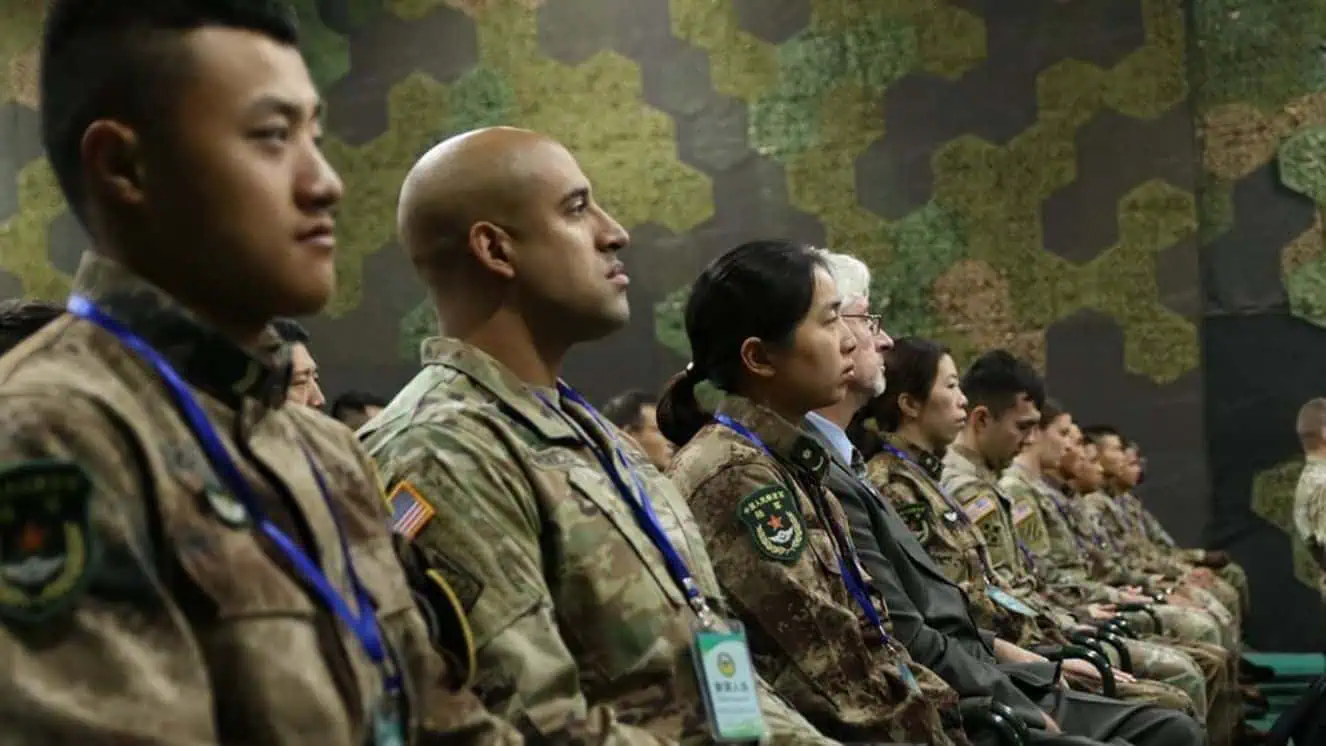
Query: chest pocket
[{"x": 227, "y": 563}]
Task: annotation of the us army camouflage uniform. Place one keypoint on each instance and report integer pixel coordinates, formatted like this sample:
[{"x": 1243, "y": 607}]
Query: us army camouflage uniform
[
  {"x": 577, "y": 622},
  {"x": 1105, "y": 564},
  {"x": 1165, "y": 677},
  {"x": 1310, "y": 513},
  {"x": 769, "y": 527},
  {"x": 1232, "y": 588},
  {"x": 169, "y": 619},
  {"x": 959, "y": 548},
  {"x": 1103, "y": 516},
  {"x": 1063, "y": 562}
]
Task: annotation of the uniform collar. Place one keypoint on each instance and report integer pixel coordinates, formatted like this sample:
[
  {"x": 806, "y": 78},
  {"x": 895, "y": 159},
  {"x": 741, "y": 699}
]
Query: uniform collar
[
  {"x": 969, "y": 461},
  {"x": 533, "y": 405},
  {"x": 931, "y": 464},
  {"x": 201, "y": 355},
  {"x": 785, "y": 440}
]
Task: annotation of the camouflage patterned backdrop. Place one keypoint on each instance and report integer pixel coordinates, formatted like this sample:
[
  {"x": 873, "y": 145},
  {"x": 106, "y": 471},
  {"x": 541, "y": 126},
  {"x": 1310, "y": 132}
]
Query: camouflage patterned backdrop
[{"x": 1124, "y": 191}]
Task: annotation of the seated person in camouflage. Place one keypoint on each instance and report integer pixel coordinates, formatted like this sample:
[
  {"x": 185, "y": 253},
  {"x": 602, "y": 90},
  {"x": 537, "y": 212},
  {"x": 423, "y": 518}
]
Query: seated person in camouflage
[
  {"x": 1104, "y": 515},
  {"x": 764, "y": 327},
  {"x": 1038, "y": 521},
  {"x": 1080, "y": 474},
  {"x": 1215, "y": 559},
  {"x": 930, "y": 614},
  {"x": 578, "y": 563},
  {"x": 1122, "y": 475},
  {"x": 917, "y": 425}
]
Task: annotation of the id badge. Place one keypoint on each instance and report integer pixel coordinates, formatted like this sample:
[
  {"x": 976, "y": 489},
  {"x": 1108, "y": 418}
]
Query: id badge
[
  {"x": 727, "y": 677},
  {"x": 387, "y": 727},
  {"x": 1008, "y": 601},
  {"x": 909, "y": 678}
]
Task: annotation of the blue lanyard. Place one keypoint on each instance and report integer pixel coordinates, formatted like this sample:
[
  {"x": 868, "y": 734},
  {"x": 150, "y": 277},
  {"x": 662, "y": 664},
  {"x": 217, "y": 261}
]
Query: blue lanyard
[
  {"x": 856, "y": 585},
  {"x": 364, "y": 624},
  {"x": 948, "y": 499},
  {"x": 638, "y": 499},
  {"x": 953, "y": 505}
]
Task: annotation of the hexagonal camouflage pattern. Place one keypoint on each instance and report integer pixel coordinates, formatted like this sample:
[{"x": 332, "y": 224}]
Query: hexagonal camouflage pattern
[{"x": 1092, "y": 183}]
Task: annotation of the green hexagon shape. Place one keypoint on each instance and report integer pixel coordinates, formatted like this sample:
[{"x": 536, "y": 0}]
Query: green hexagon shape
[
  {"x": 1273, "y": 500},
  {"x": 1302, "y": 161}
]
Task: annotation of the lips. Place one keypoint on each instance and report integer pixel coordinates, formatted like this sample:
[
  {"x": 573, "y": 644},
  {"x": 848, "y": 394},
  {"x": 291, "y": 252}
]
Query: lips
[
  {"x": 322, "y": 234},
  {"x": 617, "y": 274}
]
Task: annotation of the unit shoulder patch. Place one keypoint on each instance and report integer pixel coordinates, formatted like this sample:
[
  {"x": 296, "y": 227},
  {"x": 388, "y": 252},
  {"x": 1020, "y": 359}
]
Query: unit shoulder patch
[
  {"x": 46, "y": 543},
  {"x": 775, "y": 524}
]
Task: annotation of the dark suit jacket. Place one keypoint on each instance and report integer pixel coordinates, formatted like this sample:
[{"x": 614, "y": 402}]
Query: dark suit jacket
[{"x": 930, "y": 613}]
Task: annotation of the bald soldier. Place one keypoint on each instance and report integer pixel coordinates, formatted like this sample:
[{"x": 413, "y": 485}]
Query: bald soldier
[
  {"x": 186, "y": 558},
  {"x": 579, "y": 565}
]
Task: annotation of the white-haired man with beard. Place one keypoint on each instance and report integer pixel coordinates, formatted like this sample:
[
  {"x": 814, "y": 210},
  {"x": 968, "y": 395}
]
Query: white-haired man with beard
[{"x": 852, "y": 277}]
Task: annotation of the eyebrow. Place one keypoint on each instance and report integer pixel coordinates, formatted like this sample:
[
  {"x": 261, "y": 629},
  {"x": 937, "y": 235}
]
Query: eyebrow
[
  {"x": 575, "y": 194},
  {"x": 270, "y": 104}
]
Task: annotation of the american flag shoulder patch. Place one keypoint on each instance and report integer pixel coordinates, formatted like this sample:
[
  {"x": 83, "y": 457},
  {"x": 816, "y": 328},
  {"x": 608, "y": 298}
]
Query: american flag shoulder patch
[{"x": 410, "y": 512}]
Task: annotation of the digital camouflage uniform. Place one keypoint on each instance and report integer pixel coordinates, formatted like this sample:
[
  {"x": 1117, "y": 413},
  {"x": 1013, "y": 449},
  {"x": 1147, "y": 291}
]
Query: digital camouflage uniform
[
  {"x": 1103, "y": 515},
  {"x": 578, "y": 624},
  {"x": 769, "y": 525},
  {"x": 959, "y": 548},
  {"x": 1310, "y": 513},
  {"x": 141, "y": 605},
  {"x": 1231, "y": 574},
  {"x": 1042, "y": 523},
  {"x": 1162, "y": 672}
]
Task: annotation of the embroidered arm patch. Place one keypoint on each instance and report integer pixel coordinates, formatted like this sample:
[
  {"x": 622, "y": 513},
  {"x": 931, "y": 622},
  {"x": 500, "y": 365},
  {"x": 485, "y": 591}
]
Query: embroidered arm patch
[
  {"x": 46, "y": 540},
  {"x": 775, "y": 525},
  {"x": 1021, "y": 511},
  {"x": 410, "y": 512},
  {"x": 917, "y": 518},
  {"x": 979, "y": 508}
]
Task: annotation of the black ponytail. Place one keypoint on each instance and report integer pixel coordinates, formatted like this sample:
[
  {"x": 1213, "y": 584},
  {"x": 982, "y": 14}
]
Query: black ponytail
[{"x": 679, "y": 413}]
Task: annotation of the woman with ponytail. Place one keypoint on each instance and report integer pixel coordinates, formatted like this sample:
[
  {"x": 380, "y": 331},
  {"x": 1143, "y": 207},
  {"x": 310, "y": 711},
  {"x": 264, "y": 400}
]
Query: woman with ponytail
[{"x": 765, "y": 330}]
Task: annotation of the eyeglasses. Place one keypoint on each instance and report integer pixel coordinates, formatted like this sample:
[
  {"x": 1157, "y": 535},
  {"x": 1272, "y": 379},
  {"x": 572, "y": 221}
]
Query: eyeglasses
[{"x": 872, "y": 320}]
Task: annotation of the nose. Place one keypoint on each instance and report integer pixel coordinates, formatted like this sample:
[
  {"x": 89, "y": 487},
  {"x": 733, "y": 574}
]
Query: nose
[
  {"x": 315, "y": 397},
  {"x": 847, "y": 338},
  {"x": 883, "y": 342},
  {"x": 613, "y": 237},
  {"x": 322, "y": 187}
]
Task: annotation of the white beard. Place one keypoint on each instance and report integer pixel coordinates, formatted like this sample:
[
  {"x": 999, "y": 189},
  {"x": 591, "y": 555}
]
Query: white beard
[{"x": 878, "y": 385}]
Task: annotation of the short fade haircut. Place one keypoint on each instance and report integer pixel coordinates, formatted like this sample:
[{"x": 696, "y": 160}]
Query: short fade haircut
[
  {"x": 121, "y": 59},
  {"x": 1311, "y": 422},
  {"x": 1098, "y": 433},
  {"x": 290, "y": 331},
  {"x": 624, "y": 409},
  {"x": 20, "y": 319},
  {"x": 355, "y": 401},
  {"x": 996, "y": 379},
  {"x": 850, "y": 274}
]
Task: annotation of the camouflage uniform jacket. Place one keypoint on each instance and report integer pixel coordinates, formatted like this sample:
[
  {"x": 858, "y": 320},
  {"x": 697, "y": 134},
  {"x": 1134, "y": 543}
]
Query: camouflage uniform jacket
[
  {"x": 1106, "y": 515},
  {"x": 1310, "y": 508},
  {"x": 776, "y": 536},
  {"x": 166, "y": 618},
  {"x": 580, "y": 628},
  {"x": 974, "y": 486},
  {"x": 1108, "y": 559},
  {"x": 909, "y": 477},
  {"x": 1050, "y": 535}
]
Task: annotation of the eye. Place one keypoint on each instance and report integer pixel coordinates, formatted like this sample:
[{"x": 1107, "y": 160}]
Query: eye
[{"x": 276, "y": 134}]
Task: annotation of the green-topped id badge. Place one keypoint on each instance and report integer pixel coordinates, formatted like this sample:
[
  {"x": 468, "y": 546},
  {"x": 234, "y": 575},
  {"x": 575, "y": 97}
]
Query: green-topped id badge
[
  {"x": 1008, "y": 601},
  {"x": 731, "y": 696}
]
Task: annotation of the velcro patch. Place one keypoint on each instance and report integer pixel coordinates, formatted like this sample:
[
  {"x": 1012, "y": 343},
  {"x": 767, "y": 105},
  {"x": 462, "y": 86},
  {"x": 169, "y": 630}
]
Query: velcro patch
[
  {"x": 410, "y": 512},
  {"x": 775, "y": 524},
  {"x": 979, "y": 508},
  {"x": 46, "y": 541},
  {"x": 917, "y": 517},
  {"x": 1022, "y": 510}
]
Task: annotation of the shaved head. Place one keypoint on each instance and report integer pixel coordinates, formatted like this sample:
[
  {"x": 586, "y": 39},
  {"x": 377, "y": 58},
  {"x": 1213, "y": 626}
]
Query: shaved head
[
  {"x": 474, "y": 177},
  {"x": 502, "y": 221}
]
